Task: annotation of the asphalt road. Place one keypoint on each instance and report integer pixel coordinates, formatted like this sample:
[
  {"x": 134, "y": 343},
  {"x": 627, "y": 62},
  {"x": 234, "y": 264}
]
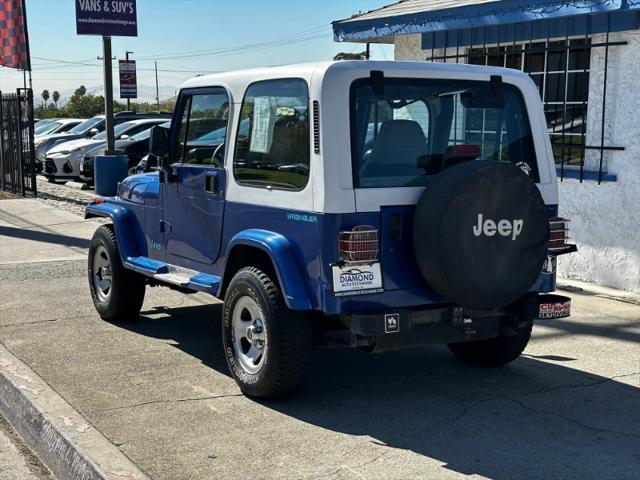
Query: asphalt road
[{"x": 159, "y": 389}]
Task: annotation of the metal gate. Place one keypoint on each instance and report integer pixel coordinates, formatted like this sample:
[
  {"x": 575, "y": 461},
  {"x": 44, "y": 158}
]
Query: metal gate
[{"x": 17, "y": 159}]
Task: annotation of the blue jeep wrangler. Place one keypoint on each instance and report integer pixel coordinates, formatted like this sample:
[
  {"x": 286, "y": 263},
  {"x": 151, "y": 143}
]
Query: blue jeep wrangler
[{"x": 376, "y": 205}]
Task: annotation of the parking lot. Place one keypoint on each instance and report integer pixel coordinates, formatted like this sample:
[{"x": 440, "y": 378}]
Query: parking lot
[{"x": 159, "y": 388}]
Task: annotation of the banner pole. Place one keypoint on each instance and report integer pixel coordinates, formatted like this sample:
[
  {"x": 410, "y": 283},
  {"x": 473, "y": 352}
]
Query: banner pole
[
  {"x": 26, "y": 38},
  {"x": 108, "y": 93}
]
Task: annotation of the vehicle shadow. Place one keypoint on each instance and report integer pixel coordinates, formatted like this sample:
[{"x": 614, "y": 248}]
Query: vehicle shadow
[
  {"x": 43, "y": 237},
  {"x": 531, "y": 419}
]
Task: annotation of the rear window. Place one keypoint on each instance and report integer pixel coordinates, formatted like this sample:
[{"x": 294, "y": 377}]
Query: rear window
[{"x": 414, "y": 129}]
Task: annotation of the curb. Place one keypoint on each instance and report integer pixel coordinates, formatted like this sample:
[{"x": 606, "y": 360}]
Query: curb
[
  {"x": 65, "y": 442},
  {"x": 584, "y": 288}
]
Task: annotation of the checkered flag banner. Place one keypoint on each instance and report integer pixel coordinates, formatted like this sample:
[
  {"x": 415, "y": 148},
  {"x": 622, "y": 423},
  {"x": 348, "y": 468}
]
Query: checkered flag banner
[{"x": 13, "y": 32}]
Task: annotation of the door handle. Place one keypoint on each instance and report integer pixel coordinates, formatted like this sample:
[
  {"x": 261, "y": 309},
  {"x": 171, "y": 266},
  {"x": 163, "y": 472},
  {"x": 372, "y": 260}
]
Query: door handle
[{"x": 212, "y": 183}]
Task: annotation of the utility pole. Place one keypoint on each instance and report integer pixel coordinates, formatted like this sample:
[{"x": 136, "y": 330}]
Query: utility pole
[
  {"x": 157, "y": 89},
  {"x": 108, "y": 93},
  {"x": 126, "y": 54},
  {"x": 367, "y": 54}
]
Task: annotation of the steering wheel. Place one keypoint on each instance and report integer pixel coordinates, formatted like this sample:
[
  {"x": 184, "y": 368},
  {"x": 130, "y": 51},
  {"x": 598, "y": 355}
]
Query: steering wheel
[{"x": 218, "y": 153}]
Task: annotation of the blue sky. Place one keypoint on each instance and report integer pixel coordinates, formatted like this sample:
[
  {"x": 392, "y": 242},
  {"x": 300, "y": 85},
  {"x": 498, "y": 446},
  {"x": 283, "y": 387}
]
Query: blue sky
[{"x": 181, "y": 35}]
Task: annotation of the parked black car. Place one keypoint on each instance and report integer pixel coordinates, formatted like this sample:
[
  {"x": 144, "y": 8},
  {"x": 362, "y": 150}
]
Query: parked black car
[{"x": 135, "y": 147}]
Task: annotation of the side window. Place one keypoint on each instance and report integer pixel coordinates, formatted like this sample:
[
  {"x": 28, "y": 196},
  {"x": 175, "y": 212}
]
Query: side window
[
  {"x": 203, "y": 129},
  {"x": 140, "y": 128},
  {"x": 272, "y": 146}
]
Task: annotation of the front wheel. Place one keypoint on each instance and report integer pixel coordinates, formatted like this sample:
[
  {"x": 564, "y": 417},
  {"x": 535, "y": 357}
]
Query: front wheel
[
  {"x": 495, "y": 352},
  {"x": 117, "y": 293},
  {"x": 267, "y": 346}
]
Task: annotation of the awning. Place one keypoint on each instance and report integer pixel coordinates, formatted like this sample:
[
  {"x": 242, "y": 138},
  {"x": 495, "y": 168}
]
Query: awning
[{"x": 491, "y": 18}]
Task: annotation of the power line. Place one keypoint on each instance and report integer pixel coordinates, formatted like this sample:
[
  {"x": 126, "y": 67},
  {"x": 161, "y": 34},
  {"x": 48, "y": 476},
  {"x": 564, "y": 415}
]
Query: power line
[{"x": 296, "y": 37}]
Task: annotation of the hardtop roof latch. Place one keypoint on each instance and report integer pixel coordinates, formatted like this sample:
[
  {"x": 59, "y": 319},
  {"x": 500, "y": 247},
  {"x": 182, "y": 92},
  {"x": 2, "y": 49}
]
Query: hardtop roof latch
[
  {"x": 496, "y": 86},
  {"x": 377, "y": 82}
]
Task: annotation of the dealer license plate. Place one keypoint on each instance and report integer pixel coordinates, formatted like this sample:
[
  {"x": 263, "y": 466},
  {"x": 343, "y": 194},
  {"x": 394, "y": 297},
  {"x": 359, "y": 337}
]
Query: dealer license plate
[{"x": 357, "y": 279}]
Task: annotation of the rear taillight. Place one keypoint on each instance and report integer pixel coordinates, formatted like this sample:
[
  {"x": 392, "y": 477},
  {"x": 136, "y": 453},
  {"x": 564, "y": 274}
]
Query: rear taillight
[
  {"x": 359, "y": 245},
  {"x": 559, "y": 234}
]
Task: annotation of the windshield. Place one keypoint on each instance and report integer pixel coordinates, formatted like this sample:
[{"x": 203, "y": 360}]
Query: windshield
[
  {"x": 85, "y": 126},
  {"x": 46, "y": 128},
  {"x": 119, "y": 129},
  {"x": 417, "y": 128},
  {"x": 145, "y": 134}
]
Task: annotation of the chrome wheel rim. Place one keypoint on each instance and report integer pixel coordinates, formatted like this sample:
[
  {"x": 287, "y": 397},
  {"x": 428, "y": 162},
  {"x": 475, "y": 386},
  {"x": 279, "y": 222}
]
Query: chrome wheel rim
[
  {"x": 102, "y": 273},
  {"x": 249, "y": 336}
]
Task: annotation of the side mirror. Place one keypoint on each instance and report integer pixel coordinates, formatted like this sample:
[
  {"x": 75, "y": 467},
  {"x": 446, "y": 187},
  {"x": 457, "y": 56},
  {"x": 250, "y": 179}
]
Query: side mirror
[
  {"x": 93, "y": 132},
  {"x": 159, "y": 148},
  {"x": 124, "y": 136}
]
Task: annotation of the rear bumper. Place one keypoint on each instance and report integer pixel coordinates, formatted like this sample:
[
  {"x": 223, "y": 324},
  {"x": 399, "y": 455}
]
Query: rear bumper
[{"x": 393, "y": 329}]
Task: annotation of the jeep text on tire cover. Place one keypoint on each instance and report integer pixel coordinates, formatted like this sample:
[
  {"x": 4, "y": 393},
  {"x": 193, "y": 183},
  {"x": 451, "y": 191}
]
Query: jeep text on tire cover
[{"x": 400, "y": 202}]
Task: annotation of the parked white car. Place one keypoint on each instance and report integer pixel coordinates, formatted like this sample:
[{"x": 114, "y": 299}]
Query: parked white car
[
  {"x": 56, "y": 125},
  {"x": 63, "y": 160}
]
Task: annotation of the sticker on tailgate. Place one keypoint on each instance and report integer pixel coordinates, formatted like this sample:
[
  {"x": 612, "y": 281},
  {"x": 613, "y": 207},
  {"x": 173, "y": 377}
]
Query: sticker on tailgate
[{"x": 555, "y": 310}]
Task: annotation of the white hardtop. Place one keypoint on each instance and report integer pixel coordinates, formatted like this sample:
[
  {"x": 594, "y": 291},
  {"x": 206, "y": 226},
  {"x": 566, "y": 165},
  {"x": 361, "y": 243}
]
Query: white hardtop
[
  {"x": 238, "y": 80},
  {"x": 330, "y": 187}
]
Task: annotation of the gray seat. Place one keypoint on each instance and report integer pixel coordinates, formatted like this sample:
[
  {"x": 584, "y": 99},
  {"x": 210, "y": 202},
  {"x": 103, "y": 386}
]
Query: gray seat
[{"x": 397, "y": 148}]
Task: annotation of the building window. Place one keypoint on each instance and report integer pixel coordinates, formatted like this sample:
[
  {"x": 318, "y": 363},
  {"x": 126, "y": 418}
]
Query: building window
[
  {"x": 560, "y": 69},
  {"x": 273, "y": 148}
]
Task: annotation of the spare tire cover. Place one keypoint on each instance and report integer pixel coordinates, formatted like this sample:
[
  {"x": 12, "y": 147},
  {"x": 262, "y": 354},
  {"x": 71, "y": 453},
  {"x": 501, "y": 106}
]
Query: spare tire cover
[{"x": 481, "y": 234}]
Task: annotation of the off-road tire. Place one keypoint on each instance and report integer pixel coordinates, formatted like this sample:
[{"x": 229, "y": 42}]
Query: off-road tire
[
  {"x": 289, "y": 337},
  {"x": 494, "y": 352},
  {"x": 127, "y": 288}
]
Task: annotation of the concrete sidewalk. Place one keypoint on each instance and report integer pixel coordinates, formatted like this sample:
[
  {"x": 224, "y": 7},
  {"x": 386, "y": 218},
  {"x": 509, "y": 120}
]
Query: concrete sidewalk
[
  {"x": 159, "y": 389},
  {"x": 33, "y": 232}
]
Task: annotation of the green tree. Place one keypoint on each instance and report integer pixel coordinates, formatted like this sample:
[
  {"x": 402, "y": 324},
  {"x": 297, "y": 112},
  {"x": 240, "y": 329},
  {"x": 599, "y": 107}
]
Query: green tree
[
  {"x": 83, "y": 104},
  {"x": 56, "y": 97},
  {"x": 45, "y": 97}
]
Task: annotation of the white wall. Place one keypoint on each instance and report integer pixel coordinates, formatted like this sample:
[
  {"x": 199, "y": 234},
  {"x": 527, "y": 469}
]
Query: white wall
[{"x": 605, "y": 219}]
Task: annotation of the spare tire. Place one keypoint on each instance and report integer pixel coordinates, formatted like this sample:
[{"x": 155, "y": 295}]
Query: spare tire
[{"x": 480, "y": 234}]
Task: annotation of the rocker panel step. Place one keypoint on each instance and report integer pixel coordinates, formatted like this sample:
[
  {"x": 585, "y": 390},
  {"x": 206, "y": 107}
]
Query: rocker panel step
[{"x": 174, "y": 275}]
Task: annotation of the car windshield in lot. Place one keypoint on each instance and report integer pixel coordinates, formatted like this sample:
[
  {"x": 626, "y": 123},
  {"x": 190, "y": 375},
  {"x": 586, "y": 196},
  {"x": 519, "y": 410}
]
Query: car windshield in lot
[
  {"x": 118, "y": 130},
  {"x": 46, "y": 128},
  {"x": 414, "y": 129},
  {"x": 146, "y": 134},
  {"x": 85, "y": 126}
]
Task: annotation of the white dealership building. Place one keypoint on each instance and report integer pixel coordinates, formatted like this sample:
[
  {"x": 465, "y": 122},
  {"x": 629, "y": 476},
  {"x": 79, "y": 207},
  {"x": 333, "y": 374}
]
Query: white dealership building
[{"x": 583, "y": 56}]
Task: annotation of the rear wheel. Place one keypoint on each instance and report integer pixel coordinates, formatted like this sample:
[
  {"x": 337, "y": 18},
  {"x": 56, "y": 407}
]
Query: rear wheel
[
  {"x": 117, "y": 293},
  {"x": 495, "y": 352},
  {"x": 267, "y": 346}
]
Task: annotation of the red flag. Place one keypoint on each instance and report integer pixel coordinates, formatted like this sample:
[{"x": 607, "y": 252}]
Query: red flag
[{"x": 13, "y": 34}]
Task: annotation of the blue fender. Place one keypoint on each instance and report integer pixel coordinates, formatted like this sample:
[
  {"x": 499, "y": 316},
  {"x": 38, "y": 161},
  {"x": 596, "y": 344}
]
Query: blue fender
[
  {"x": 121, "y": 223},
  {"x": 283, "y": 258}
]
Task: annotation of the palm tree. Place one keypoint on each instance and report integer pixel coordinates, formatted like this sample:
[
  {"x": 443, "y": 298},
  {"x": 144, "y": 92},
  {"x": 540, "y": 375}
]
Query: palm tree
[
  {"x": 56, "y": 97},
  {"x": 45, "y": 97}
]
